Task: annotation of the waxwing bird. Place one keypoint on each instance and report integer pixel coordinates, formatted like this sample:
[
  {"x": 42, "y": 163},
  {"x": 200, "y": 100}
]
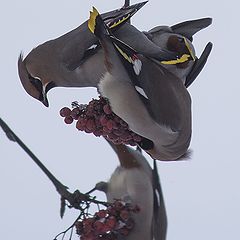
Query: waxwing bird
[
  {"x": 136, "y": 182},
  {"x": 152, "y": 100},
  {"x": 171, "y": 38},
  {"x": 69, "y": 60}
]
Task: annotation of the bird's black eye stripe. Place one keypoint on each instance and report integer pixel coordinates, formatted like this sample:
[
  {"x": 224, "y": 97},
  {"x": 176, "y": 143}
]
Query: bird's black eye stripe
[
  {"x": 36, "y": 83},
  {"x": 50, "y": 86}
]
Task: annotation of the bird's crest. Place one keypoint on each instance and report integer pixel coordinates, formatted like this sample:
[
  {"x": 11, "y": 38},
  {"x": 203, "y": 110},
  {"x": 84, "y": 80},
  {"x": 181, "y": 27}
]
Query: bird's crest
[{"x": 94, "y": 14}]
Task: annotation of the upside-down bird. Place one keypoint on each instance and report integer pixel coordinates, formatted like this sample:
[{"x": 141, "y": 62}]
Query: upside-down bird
[
  {"x": 153, "y": 101},
  {"x": 134, "y": 181},
  {"x": 76, "y": 58}
]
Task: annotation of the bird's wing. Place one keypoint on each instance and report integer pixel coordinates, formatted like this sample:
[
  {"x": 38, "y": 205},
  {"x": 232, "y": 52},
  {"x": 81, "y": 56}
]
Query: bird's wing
[
  {"x": 167, "y": 99},
  {"x": 164, "y": 94}
]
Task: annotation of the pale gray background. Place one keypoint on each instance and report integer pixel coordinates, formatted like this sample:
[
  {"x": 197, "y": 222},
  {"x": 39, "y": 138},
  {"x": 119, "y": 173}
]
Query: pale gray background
[{"x": 202, "y": 194}]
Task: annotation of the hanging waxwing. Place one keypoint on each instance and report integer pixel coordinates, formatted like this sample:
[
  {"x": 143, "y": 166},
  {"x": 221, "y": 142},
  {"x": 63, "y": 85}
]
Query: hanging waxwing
[{"x": 135, "y": 182}]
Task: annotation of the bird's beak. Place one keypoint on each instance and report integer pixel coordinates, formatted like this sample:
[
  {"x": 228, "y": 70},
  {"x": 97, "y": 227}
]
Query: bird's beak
[
  {"x": 44, "y": 96},
  {"x": 45, "y": 101}
]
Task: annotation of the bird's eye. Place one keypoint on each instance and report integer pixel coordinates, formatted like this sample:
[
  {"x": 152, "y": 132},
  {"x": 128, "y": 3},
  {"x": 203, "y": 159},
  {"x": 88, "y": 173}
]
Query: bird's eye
[
  {"x": 49, "y": 86},
  {"x": 36, "y": 82}
]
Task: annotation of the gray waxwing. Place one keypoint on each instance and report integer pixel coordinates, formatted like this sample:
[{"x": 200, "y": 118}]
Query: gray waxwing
[
  {"x": 153, "y": 101},
  {"x": 76, "y": 60},
  {"x": 171, "y": 38},
  {"x": 134, "y": 181}
]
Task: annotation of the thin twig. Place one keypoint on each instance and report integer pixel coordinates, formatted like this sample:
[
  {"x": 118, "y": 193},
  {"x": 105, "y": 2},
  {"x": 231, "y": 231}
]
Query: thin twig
[
  {"x": 62, "y": 190},
  {"x": 70, "y": 227},
  {"x": 75, "y": 199}
]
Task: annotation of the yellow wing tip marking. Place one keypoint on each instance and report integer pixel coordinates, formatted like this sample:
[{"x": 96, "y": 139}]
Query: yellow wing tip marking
[
  {"x": 92, "y": 19},
  {"x": 124, "y": 18}
]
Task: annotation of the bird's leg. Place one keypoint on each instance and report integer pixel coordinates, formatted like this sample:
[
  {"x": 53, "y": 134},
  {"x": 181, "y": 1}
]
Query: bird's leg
[{"x": 74, "y": 199}]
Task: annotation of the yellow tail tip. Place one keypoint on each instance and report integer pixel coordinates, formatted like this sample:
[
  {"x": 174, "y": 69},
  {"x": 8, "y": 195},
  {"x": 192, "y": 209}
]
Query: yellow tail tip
[{"x": 92, "y": 19}]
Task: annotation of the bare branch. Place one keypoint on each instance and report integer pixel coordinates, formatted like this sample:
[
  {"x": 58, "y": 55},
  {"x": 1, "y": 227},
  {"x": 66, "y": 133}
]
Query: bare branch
[{"x": 74, "y": 199}]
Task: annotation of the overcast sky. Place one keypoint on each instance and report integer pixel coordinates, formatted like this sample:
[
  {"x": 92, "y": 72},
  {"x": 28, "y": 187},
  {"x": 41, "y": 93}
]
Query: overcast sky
[{"x": 202, "y": 195}]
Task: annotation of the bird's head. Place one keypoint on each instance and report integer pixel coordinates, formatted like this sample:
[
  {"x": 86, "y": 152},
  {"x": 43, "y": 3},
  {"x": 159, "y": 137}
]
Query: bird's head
[
  {"x": 33, "y": 78},
  {"x": 184, "y": 49},
  {"x": 178, "y": 38}
]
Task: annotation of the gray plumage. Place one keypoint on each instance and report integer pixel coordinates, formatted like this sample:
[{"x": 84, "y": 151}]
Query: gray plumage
[
  {"x": 69, "y": 60},
  {"x": 136, "y": 182},
  {"x": 161, "y": 112}
]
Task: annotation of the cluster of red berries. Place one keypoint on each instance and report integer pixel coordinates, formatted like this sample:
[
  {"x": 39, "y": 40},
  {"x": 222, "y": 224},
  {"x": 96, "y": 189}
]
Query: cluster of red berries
[
  {"x": 98, "y": 118},
  {"x": 108, "y": 224}
]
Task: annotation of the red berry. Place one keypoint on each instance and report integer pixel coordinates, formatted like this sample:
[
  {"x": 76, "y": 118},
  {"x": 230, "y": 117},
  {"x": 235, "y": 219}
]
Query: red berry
[
  {"x": 124, "y": 214},
  {"x": 102, "y": 213},
  {"x": 109, "y": 124},
  {"x": 115, "y": 125},
  {"x": 98, "y": 226},
  {"x": 118, "y": 205},
  {"x": 106, "y": 228},
  {"x": 107, "y": 109},
  {"x": 79, "y": 125},
  {"x": 75, "y": 113},
  {"x": 86, "y": 130},
  {"x": 91, "y": 125},
  {"x": 97, "y": 133},
  {"x": 129, "y": 224},
  {"x": 68, "y": 120},
  {"x": 117, "y": 119},
  {"x": 118, "y": 132},
  {"x": 126, "y": 137},
  {"x": 88, "y": 225},
  {"x": 112, "y": 137},
  {"x": 103, "y": 120},
  {"x": 65, "y": 112},
  {"x": 106, "y": 130},
  {"x": 117, "y": 141},
  {"x": 79, "y": 227},
  {"x": 112, "y": 211},
  {"x": 111, "y": 222},
  {"x": 123, "y": 231}
]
